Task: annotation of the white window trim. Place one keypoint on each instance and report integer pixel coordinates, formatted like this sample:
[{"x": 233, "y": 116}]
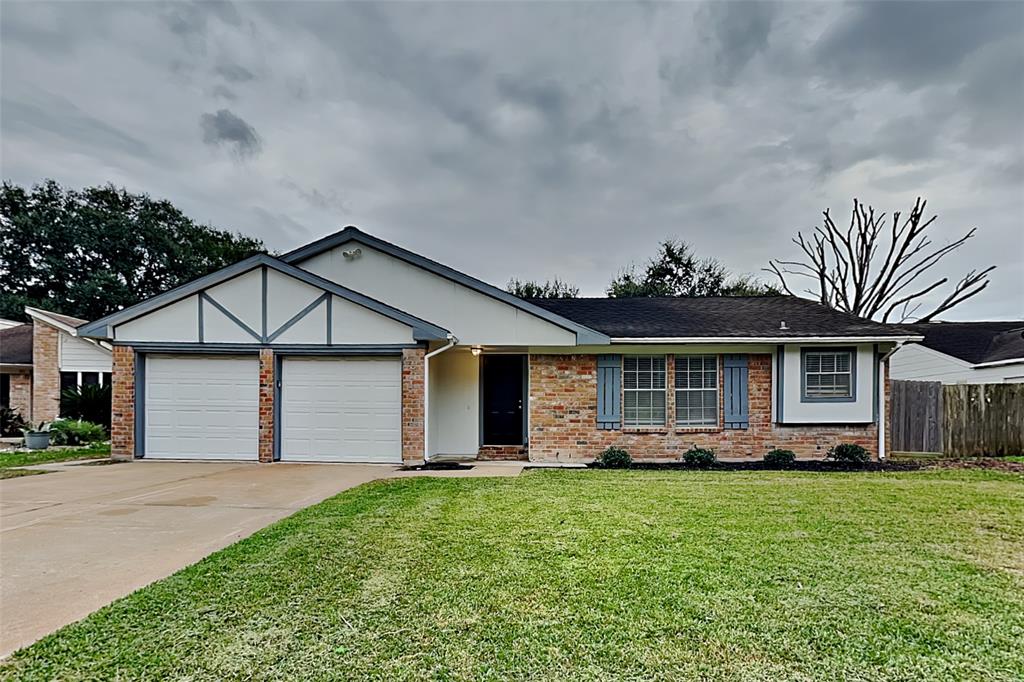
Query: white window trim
[
  {"x": 717, "y": 388},
  {"x": 664, "y": 372}
]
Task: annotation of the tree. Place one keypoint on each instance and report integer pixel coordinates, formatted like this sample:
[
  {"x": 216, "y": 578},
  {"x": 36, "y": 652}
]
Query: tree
[
  {"x": 91, "y": 252},
  {"x": 555, "y": 288},
  {"x": 859, "y": 271},
  {"x": 677, "y": 271}
]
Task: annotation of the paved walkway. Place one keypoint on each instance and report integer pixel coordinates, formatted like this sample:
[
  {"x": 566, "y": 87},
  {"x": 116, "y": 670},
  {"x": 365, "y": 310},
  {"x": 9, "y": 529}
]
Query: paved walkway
[{"x": 77, "y": 539}]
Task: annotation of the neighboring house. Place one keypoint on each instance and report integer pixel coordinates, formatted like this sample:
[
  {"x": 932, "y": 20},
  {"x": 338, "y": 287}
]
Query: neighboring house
[
  {"x": 40, "y": 359},
  {"x": 963, "y": 353},
  {"x": 352, "y": 349}
]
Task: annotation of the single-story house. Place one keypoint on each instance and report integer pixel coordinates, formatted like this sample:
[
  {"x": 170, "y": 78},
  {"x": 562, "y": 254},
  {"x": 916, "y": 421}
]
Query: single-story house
[
  {"x": 963, "y": 353},
  {"x": 353, "y": 349},
  {"x": 40, "y": 359}
]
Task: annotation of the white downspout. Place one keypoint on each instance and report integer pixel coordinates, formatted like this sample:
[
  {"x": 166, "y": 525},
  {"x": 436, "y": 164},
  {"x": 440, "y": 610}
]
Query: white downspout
[
  {"x": 882, "y": 454},
  {"x": 426, "y": 393}
]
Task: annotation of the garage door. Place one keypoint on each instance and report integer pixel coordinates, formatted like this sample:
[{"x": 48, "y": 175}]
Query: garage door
[
  {"x": 341, "y": 410},
  {"x": 201, "y": 407}
]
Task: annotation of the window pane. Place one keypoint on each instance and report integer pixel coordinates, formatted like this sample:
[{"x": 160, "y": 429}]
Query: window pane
[
  {"x": 108, "y": 379},
  {"x": 90, "y": 378},
  {"x": 68, "y": 380}
]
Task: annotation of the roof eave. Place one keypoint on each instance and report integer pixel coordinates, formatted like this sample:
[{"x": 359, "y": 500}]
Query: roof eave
[
  {"x": 998, "y": 363},
  {"x": 762, "y": 339}
]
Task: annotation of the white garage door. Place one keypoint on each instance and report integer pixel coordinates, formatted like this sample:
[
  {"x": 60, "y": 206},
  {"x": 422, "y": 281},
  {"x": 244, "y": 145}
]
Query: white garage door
[
  {"x": 341, "y": 410},
  {"x": 201, "y": 407}
]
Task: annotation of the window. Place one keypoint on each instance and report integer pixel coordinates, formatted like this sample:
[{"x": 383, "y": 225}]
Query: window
[
  {"x": 107, "y": 378},
  {"x": 5, "y": 390},
  {"x": 68, "y": 380},
  {"x": 90, "y": 378},
  {"x": 697, "y": 390},
  {"x": 643, "y": 390},
  {"x": 828, "y": 374}
]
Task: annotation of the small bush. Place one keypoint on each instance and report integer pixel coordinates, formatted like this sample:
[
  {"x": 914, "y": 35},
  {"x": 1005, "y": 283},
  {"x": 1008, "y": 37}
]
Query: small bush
[
  {"x": 11, "y": 422},
  {"x": 849, "y": 452},
  {"x": 779, "y": 458},
  {"x": 700, "y": 458},
  {"x": 613, "y": 458},
  {"x": 89, "y": 403},
  {"x": 76, "y": 432}
]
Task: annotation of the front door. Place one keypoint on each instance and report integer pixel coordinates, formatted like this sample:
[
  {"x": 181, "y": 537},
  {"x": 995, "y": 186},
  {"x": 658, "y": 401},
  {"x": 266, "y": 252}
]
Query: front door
[{"x": 503, "y": 379}]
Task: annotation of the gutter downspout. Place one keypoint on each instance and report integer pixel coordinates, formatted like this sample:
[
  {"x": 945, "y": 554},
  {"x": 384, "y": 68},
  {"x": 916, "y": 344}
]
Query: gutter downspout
[
  {"x": 452, "y": 340},
  {"x": 882, "y": 454}
]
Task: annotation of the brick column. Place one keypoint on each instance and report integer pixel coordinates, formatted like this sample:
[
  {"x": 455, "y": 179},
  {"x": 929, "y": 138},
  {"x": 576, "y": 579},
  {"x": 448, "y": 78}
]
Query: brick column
[
  {"x": 45, "y": 372},
  {"x": 412, "y": 405},
  {"x": 21, "y": 394},
  {"x": 122, "y": 403},
  {"x": 267, "y": 380}
]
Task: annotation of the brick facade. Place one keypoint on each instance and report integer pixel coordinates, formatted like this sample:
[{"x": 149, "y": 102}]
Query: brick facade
[
  {"x": 21, "y": 394},
  {"x": 45, "y": 372},
  {"x": 412, "y": 405},
  {"x": 266, "y": 406},
  {"x": 563, "y": 415},
  {"x": 122, "y": 403}
]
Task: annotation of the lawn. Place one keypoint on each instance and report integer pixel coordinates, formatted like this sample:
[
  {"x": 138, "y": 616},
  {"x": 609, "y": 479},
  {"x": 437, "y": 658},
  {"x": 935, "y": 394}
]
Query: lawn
[
  {"x": 22, "y": 458},
  {"x": 592, "y": 575}
]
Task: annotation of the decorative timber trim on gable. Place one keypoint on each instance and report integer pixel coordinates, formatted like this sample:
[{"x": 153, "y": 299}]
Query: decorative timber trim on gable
[
  {"x": 584, "y": 335},
  {"x": 104, "y": 328}
]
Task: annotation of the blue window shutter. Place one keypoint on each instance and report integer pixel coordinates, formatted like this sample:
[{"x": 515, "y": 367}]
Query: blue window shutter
[
  {"x": 609, "y": 383},
  {"x": 736, "y": 399}
]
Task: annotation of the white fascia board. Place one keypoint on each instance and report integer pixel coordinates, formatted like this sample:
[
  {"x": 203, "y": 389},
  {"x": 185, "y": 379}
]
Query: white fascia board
[
  {"x": 766, "y": 339},
  {"x": 999, "y": 363},
  {"x": 42, "y": 316}
]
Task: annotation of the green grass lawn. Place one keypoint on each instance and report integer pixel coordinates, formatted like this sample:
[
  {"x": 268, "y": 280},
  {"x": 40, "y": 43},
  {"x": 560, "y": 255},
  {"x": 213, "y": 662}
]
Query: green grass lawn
[
  {"x": 21, "y": 458},
  {"x": 592, "y": 575}
]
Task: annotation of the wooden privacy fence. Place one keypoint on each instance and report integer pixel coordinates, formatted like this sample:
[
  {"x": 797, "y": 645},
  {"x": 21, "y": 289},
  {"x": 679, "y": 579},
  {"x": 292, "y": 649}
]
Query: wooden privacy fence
[{"x": 960, "y": 420}]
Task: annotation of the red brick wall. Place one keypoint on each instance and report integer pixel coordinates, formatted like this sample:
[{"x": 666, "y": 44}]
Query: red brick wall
[
  {"x": 412, "y": 405},
  {"x": 563, "y": 415},
  {"x": 21, "y": 394},
  {"x": 45, "y": 372},
  {"x": 266, "y": 406},
  {"x": 122, "y": 403}
]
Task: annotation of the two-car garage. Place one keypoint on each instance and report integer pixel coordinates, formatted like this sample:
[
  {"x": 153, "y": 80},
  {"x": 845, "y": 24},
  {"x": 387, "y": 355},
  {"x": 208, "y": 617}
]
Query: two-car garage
[{"x": 329, "y": 408}]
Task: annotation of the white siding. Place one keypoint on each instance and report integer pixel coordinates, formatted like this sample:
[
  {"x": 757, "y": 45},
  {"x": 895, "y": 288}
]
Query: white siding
[
  {"x": 177, "y": 322},
  {"x": 915, "y": 362},
  {"x": 241, "y": 295},
  {"x": 286, "y": 296},
  {"x": 79, "y": 355},
  {"x": 795, "y": 411},
  {"x": 219, "y": 328},
  {"x": 454, "y": 427},
  {"x": 473, "y": 317},
  {"x": 354, "y": 324},
  {"x": 310, "y": 329}
]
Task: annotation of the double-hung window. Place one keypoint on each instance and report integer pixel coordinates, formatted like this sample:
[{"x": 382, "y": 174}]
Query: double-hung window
[
  {"x": 643, "y": 390},
  {"x": 696, "y": 390},
  {"x": 828, "y": 374}
]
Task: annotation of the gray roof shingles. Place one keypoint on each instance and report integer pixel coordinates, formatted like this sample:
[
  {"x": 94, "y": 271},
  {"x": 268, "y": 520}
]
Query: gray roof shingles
[
  {"x": 726, "y": 316},
  {"x": 16, "y": 345},
  {"x": 974, "y": 342}
]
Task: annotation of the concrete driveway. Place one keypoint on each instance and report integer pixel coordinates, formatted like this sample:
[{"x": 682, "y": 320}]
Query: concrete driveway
[{"x": 76, "y": 539}]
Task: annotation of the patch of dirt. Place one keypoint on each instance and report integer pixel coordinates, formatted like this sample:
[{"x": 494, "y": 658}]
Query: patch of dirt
[
  {"x": 101, "y": 462},
  {"x": 438, "y": 466},
  {"x": 994, "y": 463},
  {"x": 809, "y": 465}
]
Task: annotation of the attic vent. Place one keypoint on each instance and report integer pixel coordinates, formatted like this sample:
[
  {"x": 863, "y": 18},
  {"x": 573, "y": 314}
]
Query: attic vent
[{"x": 782, "y": 326}]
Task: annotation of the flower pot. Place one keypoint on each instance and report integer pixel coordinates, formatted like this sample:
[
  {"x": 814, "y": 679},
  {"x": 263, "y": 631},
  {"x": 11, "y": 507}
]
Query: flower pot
[{"x": 37, "y": 440}]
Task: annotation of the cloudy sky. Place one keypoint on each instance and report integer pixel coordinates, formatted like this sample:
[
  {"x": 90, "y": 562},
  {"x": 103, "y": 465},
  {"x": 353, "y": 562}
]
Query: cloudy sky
[{"x": 535, "y": 139}]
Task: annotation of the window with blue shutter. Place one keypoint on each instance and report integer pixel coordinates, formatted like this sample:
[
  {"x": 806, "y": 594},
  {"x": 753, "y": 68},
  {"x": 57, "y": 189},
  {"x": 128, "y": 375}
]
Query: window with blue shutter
[
  {"x": 609, "y": 383},
  {"x": 735, "y": 392}
]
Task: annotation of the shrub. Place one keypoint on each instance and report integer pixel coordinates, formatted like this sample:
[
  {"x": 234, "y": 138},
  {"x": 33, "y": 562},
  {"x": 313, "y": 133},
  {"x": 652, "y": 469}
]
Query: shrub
[
  {"x": 779, "y": 458},
  {"x": 613, "y": 458},
  {"x": 849, "y": 452},
  {"x": 699, "y": 458},
  {"x": 76, "y": 432},
  {"x": 11, "y": 422},
  {"x": 90, "y": 403}
]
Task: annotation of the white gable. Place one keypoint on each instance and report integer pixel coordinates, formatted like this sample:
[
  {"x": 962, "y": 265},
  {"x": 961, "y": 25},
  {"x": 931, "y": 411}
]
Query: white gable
[
  {"x": 177, "y": 322},
  {"x": 474, "y": 317}
]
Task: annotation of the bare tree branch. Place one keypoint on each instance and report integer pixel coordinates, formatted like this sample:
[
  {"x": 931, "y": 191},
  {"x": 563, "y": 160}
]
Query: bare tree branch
[{"x": 859, "y": 271}]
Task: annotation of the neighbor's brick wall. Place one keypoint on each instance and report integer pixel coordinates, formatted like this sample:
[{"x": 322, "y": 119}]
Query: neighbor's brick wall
[
  {"x": 563, "y": 415},
  {"x": 122, "y": 403},
  {"x": 412, "y": 405},
  {"x": 21, "y": 394},
  {"x": 266, "y": 406},
  {"x": 45, "y": 372}
]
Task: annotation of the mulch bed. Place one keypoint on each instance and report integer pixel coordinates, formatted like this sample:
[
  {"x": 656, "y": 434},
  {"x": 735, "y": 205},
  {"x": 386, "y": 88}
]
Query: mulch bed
[{"x": 810, "y": 465}]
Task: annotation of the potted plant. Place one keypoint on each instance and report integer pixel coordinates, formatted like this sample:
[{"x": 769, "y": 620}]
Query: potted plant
[{"x": 37, "y": 438}]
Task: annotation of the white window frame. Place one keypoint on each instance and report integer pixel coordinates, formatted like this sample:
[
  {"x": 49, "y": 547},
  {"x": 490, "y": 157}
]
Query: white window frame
[
  {"x": 653, "y": 391},
  {"x": 702, "y": 389},
  {"x": 814, "y": 395}
]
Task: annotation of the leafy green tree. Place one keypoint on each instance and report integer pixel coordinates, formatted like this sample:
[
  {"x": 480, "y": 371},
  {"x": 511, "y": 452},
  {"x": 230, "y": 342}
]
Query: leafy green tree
[
  {"x": 555, "y": 288},
  {"x": 677, "y": 271},
  {"x": 93, "y": 251}
]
